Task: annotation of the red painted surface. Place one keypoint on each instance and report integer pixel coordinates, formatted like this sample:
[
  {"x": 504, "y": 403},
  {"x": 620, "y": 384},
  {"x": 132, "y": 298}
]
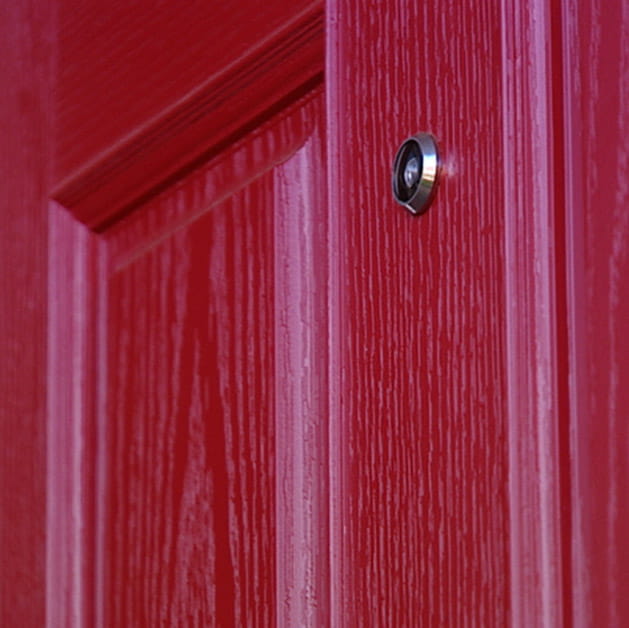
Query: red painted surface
[
  {"x": 25, "y": 147},
  {"x": 122, "y": 65},
  {"x": 275, "y": 398},
  {"x": 139, "y": 103},
  {"x": 190, "y": 500},
  {"x": 539, "y": 543},
  {"x": 72, "y": 433},
  {"x": 215, "y": 511},
  {"x": 597, "y": 174},
  {"x": 419, "y": 441}
]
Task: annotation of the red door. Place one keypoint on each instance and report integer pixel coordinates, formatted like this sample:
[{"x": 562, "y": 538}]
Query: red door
[{"x": 270, "y": 395}]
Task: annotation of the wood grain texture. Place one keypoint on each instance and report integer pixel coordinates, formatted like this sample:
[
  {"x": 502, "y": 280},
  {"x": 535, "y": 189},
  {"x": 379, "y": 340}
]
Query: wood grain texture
[
  {"x": 216, "y": 400},
  {"x": 205, "y": 188},
  {"x": 75, "y": 300},
  {"x": 178, "y": 85},
  {"x": 535, "y": 322},
  {"x": 596, "y": 38},
  {"x": 25, "y": 74},
  {"x": 301, "y": 388},
  {"x": 419, "y": 448}
]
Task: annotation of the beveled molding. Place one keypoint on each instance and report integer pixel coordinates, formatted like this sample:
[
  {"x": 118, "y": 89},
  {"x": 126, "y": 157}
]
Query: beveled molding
[
  {"x": 536, "y": 379},
  {"x": 197, "y": 127}
]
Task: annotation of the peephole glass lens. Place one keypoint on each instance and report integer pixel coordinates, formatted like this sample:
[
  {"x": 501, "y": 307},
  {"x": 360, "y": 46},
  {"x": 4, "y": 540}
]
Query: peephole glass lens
[{"x": 409, "y": 171}]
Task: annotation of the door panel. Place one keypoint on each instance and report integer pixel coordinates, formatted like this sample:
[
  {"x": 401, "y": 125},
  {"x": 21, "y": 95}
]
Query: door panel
[
  {"x": 205, "y": 454},
  {"x": 122, "y": 65},
  {"x": 191, "y": 439}
]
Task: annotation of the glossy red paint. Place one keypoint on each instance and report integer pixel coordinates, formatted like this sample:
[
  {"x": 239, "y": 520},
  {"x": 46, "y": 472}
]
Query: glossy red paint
[
  {"x": 74, "y": 280},
  {"x": 419, "y": 442},
  {"x": 205, "y": 511},
  {"x": 596, "y": 108},
  {"x": 121, "y": 65},
  {"x": 275, "y": 398},
  {"x": 25, "y": 152},
  {"x": 193, "y": 488},
  {"x": 204, "y": 74},
  {"x": 535, "y": 321}
]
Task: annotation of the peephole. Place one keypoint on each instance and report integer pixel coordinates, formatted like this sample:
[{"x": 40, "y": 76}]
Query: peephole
[{"x": 415, "y": 173}]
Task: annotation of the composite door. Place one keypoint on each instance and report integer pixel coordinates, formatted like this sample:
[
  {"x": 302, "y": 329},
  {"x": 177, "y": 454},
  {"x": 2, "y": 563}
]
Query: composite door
[
  {"x": 293, "y": 398},
  {"x": 276, "y": 397}
]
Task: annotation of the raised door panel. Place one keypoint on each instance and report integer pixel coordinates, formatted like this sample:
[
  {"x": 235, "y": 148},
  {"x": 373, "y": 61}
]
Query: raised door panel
[
  {"x": 190, "y": 460},
  {"x": 200, "y": 427},
  {"x": 201, "y": 523}
]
